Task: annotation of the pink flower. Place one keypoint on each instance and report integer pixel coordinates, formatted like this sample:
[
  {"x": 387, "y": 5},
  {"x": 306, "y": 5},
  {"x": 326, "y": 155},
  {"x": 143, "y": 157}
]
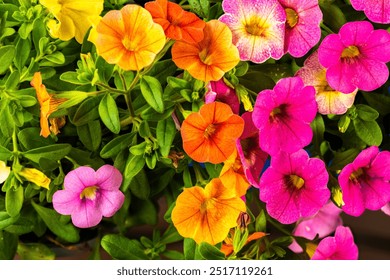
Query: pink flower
[
  {"x": 356, "y": 57},
  {"x": 339, "y": 247},
  {"x": 257, "y": 27},
  {"x": 294, "y": 186},
  {"x": 376, "y": 10},
  {"x": 219, "y": 91},
  {"x": 329, "y": 101},
  {"x": 303, "y": 31},
  {"x": 365, "y": 182},
  {"x": 89, "y": 195},
  {"x": 252, "y": 157},
  {"x": 283, "y": 116}
]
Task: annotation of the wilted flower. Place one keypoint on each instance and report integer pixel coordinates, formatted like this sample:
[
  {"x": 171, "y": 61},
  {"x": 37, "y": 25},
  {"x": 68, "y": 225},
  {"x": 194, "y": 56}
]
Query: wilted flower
[
  {"x": 35, "y": 176},
  {"x": 4, "y": 171}
]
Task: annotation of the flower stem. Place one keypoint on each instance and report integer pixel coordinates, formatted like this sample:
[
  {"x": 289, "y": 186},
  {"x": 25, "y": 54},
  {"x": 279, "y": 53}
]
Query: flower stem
[{"x": 326, "y": 28}]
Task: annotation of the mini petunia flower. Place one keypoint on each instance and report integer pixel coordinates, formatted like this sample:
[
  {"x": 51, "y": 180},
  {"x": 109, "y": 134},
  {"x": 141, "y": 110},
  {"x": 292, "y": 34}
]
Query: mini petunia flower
[
  {"x": 176, "y": 22},
  {"x": 294, "y": 186},
  {"x": 375, "y": 10},
  {"x": 329, "y": 101},
  {"x": 88, "y": 195},
  {"x": 257, "y": 26},
  {"x": 74, "y": 17},
  {"x": 339, "y": 247},
  {"x": 252, "y": 156},
  {"x": 220, "y": 91},
  {"x": 129, "y": 37},
  {"x": 356, "y": 57},
  {"x": 365, "y": 183},
  {"x": 48, "y": 104},
  {"x": 4, "y": 171},
  {"x": 210, "y": 134},
  {"x": 35, "y": 176},
  {"x": 207, "y": 215},
  {"x": 283, "y": 116},
  {"x": 209, "y": 59},
  {"x": 303, "y": 30}
]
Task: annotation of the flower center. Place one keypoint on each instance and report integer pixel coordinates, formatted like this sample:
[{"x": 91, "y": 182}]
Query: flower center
[
  {"x": 350, "y": 52},
  {"x": 205, "y": 57},
  {"x": 89, "y": 193},
  {"x": 210, "y": 131},
  {"x": 256, "y": 26},
  {"x": 295, "y": 181},
  {"x": 354, "y": 177},
  {"x": 277, "y": 113},
  {"x": 291, "y": 17},
  {"x": 129, "y": 44}
]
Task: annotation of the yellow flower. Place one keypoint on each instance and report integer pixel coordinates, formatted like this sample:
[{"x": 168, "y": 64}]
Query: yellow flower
[
  {"x": 4, "y": 171},
  {"x": 74, "y": 17},
  {"x": 35, "y": 176}
]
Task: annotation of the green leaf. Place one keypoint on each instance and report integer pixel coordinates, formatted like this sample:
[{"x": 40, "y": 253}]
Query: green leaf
[
  {"x": 52, "y": 219},
  {"x": 105, "y": 69},
  {"x": 87, "y": 111},
  {"x": 109, "y": 114},
  {"x": 177, "y": 83},
  {"x": 112, "y": 148},
  {"x": 7, "y": 54},
  {"x": 333, "y": 16},
  {"x": 165, "y": 133},
  {"x": 341, "y": 159},
  {"x": 122, "y": 248},
  {"x": 38, "y": 32},
  {"x": 318, "y": 127},
  {"x": 366, "y": 113},
  {"x": 56, "y": 58},
  {"x": 210, "y": 252},
  {"x": 13, "y": 82},
  {"x": 5, "y": 154},
  {"x": 86, "y": 158},
  {"x": 139, "y": 185},
  {"x": 35, "y": 251},
  {"x": 152, "y": 92},
  {"x": 6, "y": 220},
  {"x": 30, "y": 138},
  {"x": 8, "y": 245},
  {"x": 23, "y": 52},
  {"x": 72, "y": 77},
  {"x": 378, "y": 101},
  {"x": 368, "y": 131},
  {"x": 151, "y": 115},
  {"x": 200, "y": 7},
  {"x": 14, "y": 200},
  {"x": 189, "y": 248},
  {"x": 133, "y": 167},
  {"x": 90, "y": 135},
  {"x": 54, "y": 152},
  {"x": 261, "y": 222}
]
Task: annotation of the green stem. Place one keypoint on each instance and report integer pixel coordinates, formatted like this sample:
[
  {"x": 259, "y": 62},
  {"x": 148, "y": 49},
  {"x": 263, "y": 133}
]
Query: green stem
[
  {"x": 110, "y": 88},
  {"x": 326, "y": 28}
]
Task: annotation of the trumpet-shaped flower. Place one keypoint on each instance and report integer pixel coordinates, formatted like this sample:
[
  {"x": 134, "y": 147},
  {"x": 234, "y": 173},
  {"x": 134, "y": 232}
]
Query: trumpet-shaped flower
[
  {"x": 209, "y": 59},
  {"x": 48, "y": 104},
  {"x": 303, "y": 31},
  {"x": 252, "y": 157},
  {"x": 376, "y": 10},
  {"x": 129, "y": 37},
  {"x": 210, "y": 134},
  {"x": 74, "y": 17},
  {"x": 283, "y": 116},
  {"x": 294, "y": 186},
  {"x": 329, "y": 101},
  {"x": 365, "y": 182},
  {"x": 220, "y": 91},
  {"x": 177, "y": 23},
  {"x": 207, "y": 215},
  {"x": 356, "y": 57},
  {"x": 35, "y": 176},
  {"x": 89, "y": 195},
  {"x": 4, "y": 171},
  {"x": 257, "y": 26},
  {"x": 339, "y": 247}
]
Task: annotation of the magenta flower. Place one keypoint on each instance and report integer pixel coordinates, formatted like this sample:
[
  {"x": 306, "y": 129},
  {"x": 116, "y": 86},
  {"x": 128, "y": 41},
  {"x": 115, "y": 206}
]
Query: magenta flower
[
  {"x": 303, "y": 31},
  {"x": 89, "y": 195},
  {"x": 219, "y": 91},
  {"x": 252, "y": 157},
  {"x": 356, "y": 57},
  {"x": 365, "y": 182},
  {"x": 339, "y": 247},
  {"x": 329, "y": 101},
  {"x": 294, "y": 186},
  {"x": 376, "y": 10},
  {"x": 283, "y": 116},
  {"x": 257, "y": 27}
]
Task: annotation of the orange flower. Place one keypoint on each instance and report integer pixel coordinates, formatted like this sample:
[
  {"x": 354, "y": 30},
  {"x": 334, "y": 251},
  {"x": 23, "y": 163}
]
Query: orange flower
[
  {"x": 232, "y": 174},
  {"x": 177, "y": 23},
  {"x": 129, "y": 38},
  {"x": 212, "y": 57},
  {"x": 48, "y": 104},
  {"x": 210, "y": 134},
  {"x": 227, "y": 246},
  {"x": 207, "y": 215}
]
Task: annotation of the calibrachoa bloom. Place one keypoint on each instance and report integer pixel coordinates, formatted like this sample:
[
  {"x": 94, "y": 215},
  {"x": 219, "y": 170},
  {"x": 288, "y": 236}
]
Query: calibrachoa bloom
[
  {"x": 177, "y": 23},
  {"x": 207, "y": 215},
  {"x": 220, "y": 91},
  {"x": 35, "y": 176},
  {"x": 294, "y": 186},
  {"x": 89, "y": 195},
  {"x": 365, "y": 182},
  {"x": 329, "y": 101},
  {"x": 356, "y": 57},
  {"x": 252, "y": 156},
  {"x": 209, "y": 59},
  {"x": 376, "y": 10},
  {"x": 210, "y": 134},
  {"x": 74, "y": 17},
  {"x": 129, "y": 38},
  {"x": 48, "y": 104},
  {"x": 283, "y": 116},
  {"x": 257, "y": 26},
  {"x": 339, "y": 247},
  {"x": 303, "y": 31},
  {"x": 4, "y": 171}
]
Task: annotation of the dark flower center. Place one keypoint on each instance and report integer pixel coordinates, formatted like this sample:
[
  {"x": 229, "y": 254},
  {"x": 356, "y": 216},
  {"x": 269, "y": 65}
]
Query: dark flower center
[
  {"x": 277, "y": 113},
  {"x": 357, "y": 175},
  {"x": 350, "y": 52},
  {"x": 291, "y": 17},
  {"x": 294, "y": 181},
  {"x": 210, "y": 130}
]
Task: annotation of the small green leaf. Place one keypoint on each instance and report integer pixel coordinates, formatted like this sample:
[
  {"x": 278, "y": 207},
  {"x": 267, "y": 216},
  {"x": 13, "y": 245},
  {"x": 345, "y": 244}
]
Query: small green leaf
[
  {"x": 341, "y": 159},
  {"x": 7, "y": 54},
  {"x": 109, "y": 114},
  {"x": 8, "y": 245},
  {"x": 122, "y": 248},
  {"x": 56, "y": 58},
  {"x": 189, "y": 248},
  {"x": 152, "y": 92},
  {"x": 90, "y": 135},
  {"x": 54, "y": 152},
  {"x": 368, "y": 131},
  {"x": 139, "y": 185},
  {"x": 112, "y": 148},
  {"x": 14, "y": 200},
  {"x": 35, "y": 251},
  {"x": 210, "y": 252},
  {"x": 5, "y": 154},
  {"x": 72, "y": 77},
  {"x": 200, "y": 7},
  {"x": 177, "y": 83},
  {"x": 333, "y": 16},
  {"x": 87, "y": 111},
  {"x": 133, "y": 166},
  {"x": 165, "y": 134},
  {"x": 13, "y": 82},
  {"x": 366, "y": 113},
  {"x": 6, "y": 220},
  {"x": 23, "y": 52}
]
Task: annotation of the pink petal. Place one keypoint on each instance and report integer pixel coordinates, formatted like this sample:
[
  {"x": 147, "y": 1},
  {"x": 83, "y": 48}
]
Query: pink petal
[
  {"x": 108, "y": 178},
  {"x": 86, "y": 215},
  {"x": 79, "y": 178},
  {"x": 342, "y": 76},
  {"x": 355, "y": 33},
  {"x": 380, "y": 166},
  {"x": 370, "y": 74},
  {"x": 376, "y": 10},
  {"x": 110, "y": 202},
  {"x": 377, "y": 46},
  {"x": 64, "y": 202},
  {"x": 329, "y": 52}
]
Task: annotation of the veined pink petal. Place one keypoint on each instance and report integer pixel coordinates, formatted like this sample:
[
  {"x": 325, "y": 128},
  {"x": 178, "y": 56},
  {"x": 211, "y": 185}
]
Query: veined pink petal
[
  {"x": 86, "y": 215},
  {"x": 110, "y": 202},
  {"x": 108, "y": 178},
  {"x": 65, "y": 202},
  {"x": 376, "y": 10},
  {"x": 76, "y": 180}
]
